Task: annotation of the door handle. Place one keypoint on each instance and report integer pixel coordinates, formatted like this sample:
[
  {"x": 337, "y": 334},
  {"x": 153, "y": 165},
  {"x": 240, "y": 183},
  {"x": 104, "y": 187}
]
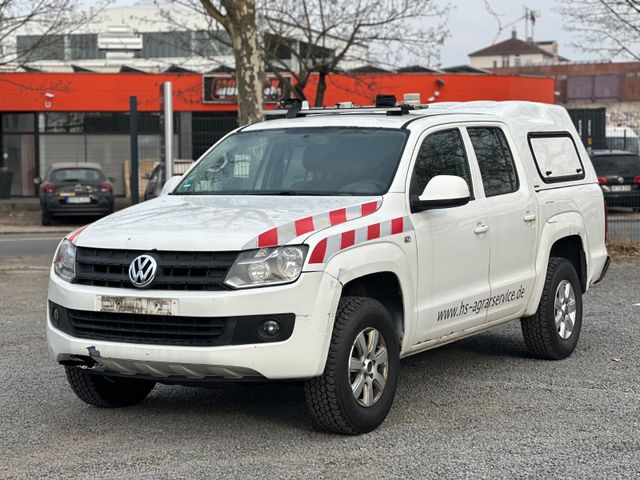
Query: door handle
[
  {"x": 529, "y": 217},
  {"x": 480, "y": 228}
]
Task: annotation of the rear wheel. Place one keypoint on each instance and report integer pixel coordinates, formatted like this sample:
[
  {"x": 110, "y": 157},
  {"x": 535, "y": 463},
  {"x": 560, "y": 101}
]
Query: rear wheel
[
  {"x": 46, "y": 219},
  {"x": 553, "y": 332},
  {"x": 105, "y": 391},
  {"x": 356, "y": 390}
]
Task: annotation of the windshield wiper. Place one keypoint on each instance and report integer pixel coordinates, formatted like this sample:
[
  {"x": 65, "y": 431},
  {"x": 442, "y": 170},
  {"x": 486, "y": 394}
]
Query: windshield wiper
[
  {"x": 300, "y": 193},
  {"x": 283, "y": 193}
]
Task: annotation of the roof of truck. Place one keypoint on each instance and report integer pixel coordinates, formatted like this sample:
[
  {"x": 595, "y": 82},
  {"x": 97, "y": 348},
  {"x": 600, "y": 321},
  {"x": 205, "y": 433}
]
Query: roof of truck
[{"x": 529, "y": 113}]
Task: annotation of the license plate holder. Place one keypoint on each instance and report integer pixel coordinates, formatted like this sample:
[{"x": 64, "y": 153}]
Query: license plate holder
[
  {"x": 620, "y": 188},
  {"x": 78, "y": 200},
  {"x": 138, "y": 305}
]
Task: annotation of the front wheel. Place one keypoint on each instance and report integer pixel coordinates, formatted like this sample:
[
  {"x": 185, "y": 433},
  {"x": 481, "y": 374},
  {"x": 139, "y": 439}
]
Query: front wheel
[
  {"x": 553, "y": 332},
  {"x": 356, "y": 390},
  {"x": 105, "y": 391}
]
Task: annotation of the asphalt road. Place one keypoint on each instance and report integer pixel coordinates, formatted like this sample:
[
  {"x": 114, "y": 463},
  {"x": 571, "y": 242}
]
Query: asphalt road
[
  {"x": 18, "y": 245},
  {"x": 479, "y": 408}
]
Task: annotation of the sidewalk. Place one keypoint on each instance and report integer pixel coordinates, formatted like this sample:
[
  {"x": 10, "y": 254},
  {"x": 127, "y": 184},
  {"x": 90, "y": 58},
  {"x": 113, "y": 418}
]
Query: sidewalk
[
  {"x": 22, "y": 215},
  {"x": 32, "y": 204}
]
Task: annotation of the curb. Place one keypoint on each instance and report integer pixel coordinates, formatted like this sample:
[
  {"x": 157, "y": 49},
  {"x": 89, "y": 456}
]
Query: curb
[{"x": 33, "y": 230}]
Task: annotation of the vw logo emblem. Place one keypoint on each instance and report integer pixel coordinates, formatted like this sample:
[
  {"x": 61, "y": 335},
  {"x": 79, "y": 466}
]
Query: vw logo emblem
[{"x": 142, "y": 271}]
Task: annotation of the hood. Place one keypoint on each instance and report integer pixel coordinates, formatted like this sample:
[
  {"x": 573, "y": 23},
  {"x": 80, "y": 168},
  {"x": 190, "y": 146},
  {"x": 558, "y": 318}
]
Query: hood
[{"x": 206, "y": 223}]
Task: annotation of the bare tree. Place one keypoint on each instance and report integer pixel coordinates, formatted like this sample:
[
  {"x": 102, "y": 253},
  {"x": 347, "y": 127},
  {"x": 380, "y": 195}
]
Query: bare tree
[
  {"x": 238, "y": 17},
  {"x": 46, "y": 21},
  {"x": 305, "y": 37},
  {"x": 609, "y": 28}
]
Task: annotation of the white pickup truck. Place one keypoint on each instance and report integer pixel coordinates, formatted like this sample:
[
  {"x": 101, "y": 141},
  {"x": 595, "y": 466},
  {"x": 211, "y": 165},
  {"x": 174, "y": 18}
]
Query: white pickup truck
[{"x": 327, "y": 245}]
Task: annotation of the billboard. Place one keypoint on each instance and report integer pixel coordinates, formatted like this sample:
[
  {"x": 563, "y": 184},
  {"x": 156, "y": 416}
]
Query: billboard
[{"x": 224, "y": 89}]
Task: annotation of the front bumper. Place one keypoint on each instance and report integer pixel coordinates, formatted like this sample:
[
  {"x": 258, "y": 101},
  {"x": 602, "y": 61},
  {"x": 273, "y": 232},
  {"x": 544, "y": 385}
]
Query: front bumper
[{"x": 313, "y": 299}]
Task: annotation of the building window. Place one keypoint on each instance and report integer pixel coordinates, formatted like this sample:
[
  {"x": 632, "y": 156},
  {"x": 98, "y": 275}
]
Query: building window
[
  {"x": 505, "y": 61},
  {"x": 84, "y": 46},
  {"x": 211, "y": 44},
  {"x": 598, "y": 89},
  {"x": 518, "y": 61},
  {"x": 32, "y": 48},
  {"x": 17, "y": 123},
  {"x": 99, "y": 122},
  {"x": 166, "y": 45}
]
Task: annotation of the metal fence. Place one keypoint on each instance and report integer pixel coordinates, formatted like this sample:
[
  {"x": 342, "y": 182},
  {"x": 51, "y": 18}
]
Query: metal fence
[
  {"x": 613, "y": 141},
  {"x": 623, "y": 224}
]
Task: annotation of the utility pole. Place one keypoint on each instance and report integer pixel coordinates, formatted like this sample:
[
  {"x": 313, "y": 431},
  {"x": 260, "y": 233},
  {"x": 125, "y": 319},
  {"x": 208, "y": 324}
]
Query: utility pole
[
  {"x": 166, "y": 101},
  {"x": 133, "y": 132}
]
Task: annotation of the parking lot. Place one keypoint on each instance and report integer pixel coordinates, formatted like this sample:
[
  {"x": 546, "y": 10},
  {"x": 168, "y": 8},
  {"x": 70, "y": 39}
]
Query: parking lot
[{"x": 479, "y": 408}]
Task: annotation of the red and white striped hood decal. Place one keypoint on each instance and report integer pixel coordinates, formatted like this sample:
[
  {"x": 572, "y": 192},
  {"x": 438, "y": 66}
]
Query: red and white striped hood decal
[
  {"x": 331, "y": 245},
  {"x": 285, "y": 233},
  {"x": 73, "y": 236}
]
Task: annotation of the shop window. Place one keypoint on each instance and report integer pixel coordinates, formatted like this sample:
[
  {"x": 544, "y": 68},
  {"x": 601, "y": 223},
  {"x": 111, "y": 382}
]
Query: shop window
[
  {"x": 99, "y": 122},
  {"x": 18, "y": 123}
]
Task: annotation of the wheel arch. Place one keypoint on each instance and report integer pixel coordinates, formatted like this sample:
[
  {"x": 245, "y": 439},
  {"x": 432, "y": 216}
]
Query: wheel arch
[
  {"x": 380, "y": 271},
  {"x": 563, "y": 235}
]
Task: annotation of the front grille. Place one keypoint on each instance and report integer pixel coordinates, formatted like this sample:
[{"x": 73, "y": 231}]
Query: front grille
[
  {"x": 176, "y": 270},
  {"x": 150, "y": 329}
]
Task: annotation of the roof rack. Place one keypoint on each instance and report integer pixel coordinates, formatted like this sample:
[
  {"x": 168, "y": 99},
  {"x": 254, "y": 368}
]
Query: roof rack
[{"x": 295, "y": 111}]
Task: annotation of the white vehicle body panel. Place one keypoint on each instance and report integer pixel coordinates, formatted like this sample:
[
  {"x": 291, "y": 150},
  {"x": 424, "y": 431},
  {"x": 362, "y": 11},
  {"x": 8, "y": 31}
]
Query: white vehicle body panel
[{"x": 442, "y": 258}]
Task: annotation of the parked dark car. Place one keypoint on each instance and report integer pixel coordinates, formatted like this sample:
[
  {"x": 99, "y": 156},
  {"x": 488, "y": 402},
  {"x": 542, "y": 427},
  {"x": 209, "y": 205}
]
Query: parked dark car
[
  {"x": 157, "y": 178},
  {"x": 619, "y": 177},
  {"x": 75, "y": 189}
]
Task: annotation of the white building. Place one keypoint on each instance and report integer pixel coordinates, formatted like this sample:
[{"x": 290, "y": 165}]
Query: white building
[
  {"x": 516, "y": 53},
  {"x": 149, "y": 38}
]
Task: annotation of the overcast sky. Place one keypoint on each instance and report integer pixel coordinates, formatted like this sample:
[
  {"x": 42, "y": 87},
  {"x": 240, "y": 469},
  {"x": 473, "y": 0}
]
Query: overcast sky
[{"x": 472, "y": 28}]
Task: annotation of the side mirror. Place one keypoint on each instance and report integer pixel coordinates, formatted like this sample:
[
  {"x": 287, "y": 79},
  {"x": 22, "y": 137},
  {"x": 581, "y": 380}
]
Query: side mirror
[
  {"x": 442, "y": 191},
  {"x": 145, "y": 176},
  {"x": 37, "y": 180},
  {"x": 171, "y": 184},
  {"x": 113, "y": 179}
]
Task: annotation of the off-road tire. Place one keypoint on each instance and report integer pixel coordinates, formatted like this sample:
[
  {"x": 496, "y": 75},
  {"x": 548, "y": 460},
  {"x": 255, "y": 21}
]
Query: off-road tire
[
  {"x": 330, "y": 401},
  {"x": 107, "y": 392},
  {"x": 540, "y": 332}
]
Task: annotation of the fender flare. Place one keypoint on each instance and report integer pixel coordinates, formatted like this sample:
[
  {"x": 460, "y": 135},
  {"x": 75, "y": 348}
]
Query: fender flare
[
  {"x": 556, "y": 228},
  {"x": 371, "y": 258}
]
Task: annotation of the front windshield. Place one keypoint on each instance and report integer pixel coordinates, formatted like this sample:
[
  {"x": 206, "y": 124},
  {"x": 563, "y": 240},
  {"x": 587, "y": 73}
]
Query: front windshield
[{"x": 299, "y": 161}]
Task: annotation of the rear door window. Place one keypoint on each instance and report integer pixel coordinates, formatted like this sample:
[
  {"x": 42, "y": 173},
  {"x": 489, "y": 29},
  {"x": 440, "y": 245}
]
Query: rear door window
[
  {"x": 556, "y": 156},
  {"x": 494, "y": 159}
]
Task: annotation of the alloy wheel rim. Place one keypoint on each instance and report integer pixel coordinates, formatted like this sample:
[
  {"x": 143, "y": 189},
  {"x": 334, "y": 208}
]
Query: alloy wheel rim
[
  {"x": 565, "y": 309},
  {"x": 368, "y": 367}
]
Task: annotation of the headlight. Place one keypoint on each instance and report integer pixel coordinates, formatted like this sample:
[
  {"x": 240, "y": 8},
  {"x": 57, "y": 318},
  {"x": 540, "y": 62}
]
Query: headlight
[
  {"x": 64, "y": 263},
  {"x": 267, "y": 266}
]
